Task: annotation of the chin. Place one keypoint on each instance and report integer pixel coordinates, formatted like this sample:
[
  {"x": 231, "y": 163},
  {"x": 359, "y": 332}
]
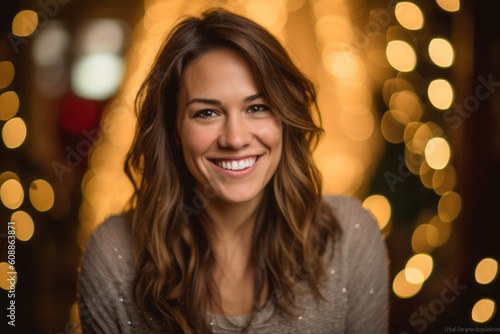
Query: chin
[{"x": 232, "y": 196}]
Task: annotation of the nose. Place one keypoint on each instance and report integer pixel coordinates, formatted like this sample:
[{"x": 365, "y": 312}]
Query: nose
[{"x": 236, "y": 133}]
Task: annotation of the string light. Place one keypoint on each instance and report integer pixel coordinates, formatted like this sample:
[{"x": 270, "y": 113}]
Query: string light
[
  {"x": 409, "y": 15},
  {"x": 7, "y": 73},
  {"x": 9, "y": 105},
  {"x": 440, "y": 94},
  {"x": 483, "y": 310},
  {"x": 486, "y": 271},
  {"x": 25, "y": 23},
  {"x": 14, "y": 132}
]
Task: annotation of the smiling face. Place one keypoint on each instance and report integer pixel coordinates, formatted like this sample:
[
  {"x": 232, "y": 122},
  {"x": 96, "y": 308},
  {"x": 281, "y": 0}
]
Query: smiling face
[{"x": 230, "y": 136}]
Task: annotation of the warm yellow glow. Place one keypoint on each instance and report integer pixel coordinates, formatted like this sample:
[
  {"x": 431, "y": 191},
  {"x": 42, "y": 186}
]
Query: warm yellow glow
[
  {"x": 25, "y": 23},
  {"x": 483, "y": 310},
  {"x": 12, "y": 194},
  {"x": 7, "y": 73},
  {"x": 486, "y": 270},
  {"x": 441, "y": 52},
  {"x": 5, "y": 273},
  {"x": 440, "y": 94},
  {"x": 345, "y": 173},
  {"x": 437, "y": 153},
  {"x": 423, "y": 262},
  {"x": 41, "y": 195},
  {"x": 342, "y": 32},
  {"x": 409, "y": 106},
  {"x": 74, "y": 315},
  {"x": 24, "y": 225},
  {"x": 444, "y": 231},
  {"x": 449, "y": 206},
  {"x": 7, "y": 176},
  {"x": 449, "y": 5},
  {"x": 426, "y": 174},
  {"x": 401, "y": 56},
  {"x": 270, "y": 14},
  {"x": 342, "y": 64},
  {"x": 357, "y": 127},
  {"x": 355, "y": 97},
  {"x": 293, "y": 5},
  {"x": 444, "y": 180},
  {"x": 409, "y": 15},
  {"x": 14, "y": 132},
  {"x": 423, "y": 238},
  {"x": 380, "y": 207},
  {"x": 422, "y": 133},
  {"x": 414, "y": 275},
  {"x": 403, "y": 288},
  {"x": 413, "y": 161},
  {"x": 391, "y": 128},
  {"x": 9, "y": 105}
]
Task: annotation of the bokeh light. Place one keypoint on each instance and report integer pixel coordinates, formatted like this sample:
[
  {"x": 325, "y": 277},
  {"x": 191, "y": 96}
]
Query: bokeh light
[
  {"x": 14, "y": 132},
  {"x": 97, "y": 76},
  {"x": 424, "y": 236},
  {"x": 25, "y": 23},
  {"x": 380, "y": 207},
  {"x": 443, "y": 229},
  {"x": 440, "y": 94},
  {"x": 423, "y": 262},
  {"x": 7, "y": 73},
  {"x": 9, "y": 105},
  {"x": 437, "y": 153},
  {"x": 409, "y": 15},
  {"x": 41, "y": 195},
  {"x": 12, "y": 194},
  {"x": 486, "y": 270},
  {"x": 391, "y": 128},
  {"x": 449, "y": 5},
  {"x": 403, "y": 288},
  {"x": 401, "y": 56},
  {"x": 441, "y": 52},
  {"x": 483, "y": 310},
  {"x": 5, "y": 273},
  {"x": 449, "y": 206},
  {"x": 24, "y": 225}
]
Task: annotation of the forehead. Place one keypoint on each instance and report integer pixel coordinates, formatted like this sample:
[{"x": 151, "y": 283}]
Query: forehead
[{"x": 217, "y": 69}]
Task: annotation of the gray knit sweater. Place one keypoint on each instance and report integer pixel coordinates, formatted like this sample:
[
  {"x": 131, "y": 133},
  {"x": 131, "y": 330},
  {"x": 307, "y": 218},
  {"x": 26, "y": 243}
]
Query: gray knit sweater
[{"x": 356, "y": 286}]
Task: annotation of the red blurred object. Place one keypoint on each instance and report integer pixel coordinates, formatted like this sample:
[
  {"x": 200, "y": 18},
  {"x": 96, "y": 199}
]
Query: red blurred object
[{"x": 77, "y": 114}]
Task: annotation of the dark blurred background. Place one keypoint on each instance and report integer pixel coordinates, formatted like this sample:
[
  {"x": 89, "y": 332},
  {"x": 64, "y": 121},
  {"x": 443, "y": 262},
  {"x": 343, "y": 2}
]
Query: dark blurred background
[{"x": 409, "y": 97}]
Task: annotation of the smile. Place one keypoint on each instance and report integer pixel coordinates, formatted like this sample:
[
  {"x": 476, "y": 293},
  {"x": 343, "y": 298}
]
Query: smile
[{"x": 236, "y": 164}]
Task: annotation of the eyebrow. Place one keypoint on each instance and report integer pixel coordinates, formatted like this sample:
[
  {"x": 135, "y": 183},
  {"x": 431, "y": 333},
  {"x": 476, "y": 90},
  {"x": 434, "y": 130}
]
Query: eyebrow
[{"x": 218, "y": 102}]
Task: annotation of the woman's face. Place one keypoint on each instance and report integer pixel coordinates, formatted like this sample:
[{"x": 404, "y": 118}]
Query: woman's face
[{"x": 230, "y": 137}]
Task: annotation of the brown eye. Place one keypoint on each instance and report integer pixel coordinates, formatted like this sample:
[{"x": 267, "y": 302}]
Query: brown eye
[
  {"x": 258, "y": 108},
  {"x": 205, "y": 113}
]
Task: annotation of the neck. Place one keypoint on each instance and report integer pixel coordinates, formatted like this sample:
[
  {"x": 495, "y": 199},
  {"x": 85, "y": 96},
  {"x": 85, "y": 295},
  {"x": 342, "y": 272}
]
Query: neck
[{"x": 230, "y": 227}]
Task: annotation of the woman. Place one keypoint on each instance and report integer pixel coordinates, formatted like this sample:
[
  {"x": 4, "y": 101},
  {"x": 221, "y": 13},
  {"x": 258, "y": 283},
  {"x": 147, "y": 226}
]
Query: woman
[{"x": 229, "y": 231}]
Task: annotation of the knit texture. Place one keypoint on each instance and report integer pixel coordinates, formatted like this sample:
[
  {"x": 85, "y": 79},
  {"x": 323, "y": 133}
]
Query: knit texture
[{"x": 355, "y": 287}]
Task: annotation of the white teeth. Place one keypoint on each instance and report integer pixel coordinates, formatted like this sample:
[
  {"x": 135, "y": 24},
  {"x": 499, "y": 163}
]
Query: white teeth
[{"x": 236, "y": 165}]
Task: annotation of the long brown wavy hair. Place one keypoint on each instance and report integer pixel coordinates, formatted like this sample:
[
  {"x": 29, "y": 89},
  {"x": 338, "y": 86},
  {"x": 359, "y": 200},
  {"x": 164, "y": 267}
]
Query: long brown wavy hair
[{"x": 174, "y": 281}]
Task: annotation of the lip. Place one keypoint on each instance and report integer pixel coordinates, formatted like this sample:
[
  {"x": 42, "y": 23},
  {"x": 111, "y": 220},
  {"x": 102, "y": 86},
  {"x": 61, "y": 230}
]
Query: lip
[{"x": 235, "y": 173}]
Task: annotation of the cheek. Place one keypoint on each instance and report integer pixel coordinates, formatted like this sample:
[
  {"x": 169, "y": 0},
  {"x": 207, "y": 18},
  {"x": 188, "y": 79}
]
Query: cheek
[{"x": 271, "y": 135}]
